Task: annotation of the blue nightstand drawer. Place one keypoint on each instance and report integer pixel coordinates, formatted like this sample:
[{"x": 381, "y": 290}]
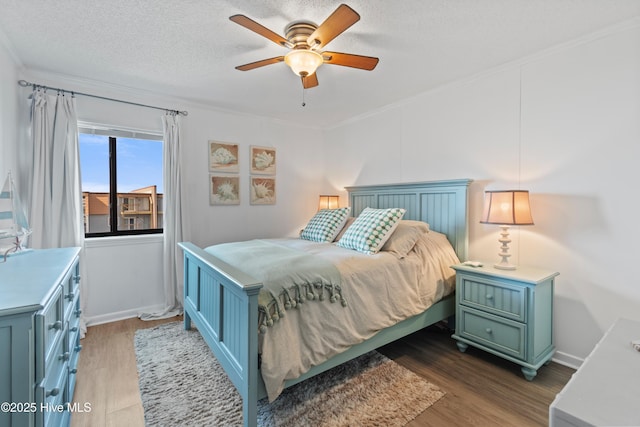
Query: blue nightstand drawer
[
  {"x": 503, "y": 335},
  {"x": 494, "y": 297}
]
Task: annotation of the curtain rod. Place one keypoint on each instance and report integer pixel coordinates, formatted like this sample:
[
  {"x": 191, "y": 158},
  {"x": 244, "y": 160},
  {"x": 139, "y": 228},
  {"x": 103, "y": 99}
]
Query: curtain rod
[{"x": 25, "y": 83}]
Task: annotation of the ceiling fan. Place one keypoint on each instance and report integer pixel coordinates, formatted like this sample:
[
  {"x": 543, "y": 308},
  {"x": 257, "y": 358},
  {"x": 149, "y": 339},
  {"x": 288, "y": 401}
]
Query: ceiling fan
[{"x": 306, "y": 39}]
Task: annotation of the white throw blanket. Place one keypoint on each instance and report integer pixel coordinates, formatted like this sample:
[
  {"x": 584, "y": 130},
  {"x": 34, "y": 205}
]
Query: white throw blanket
[{"x": 289, "y": 277}]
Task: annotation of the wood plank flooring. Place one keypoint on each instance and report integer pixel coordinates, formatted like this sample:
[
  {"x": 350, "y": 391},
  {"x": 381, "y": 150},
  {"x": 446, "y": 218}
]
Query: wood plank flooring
[{"x": 481, "y": 389}]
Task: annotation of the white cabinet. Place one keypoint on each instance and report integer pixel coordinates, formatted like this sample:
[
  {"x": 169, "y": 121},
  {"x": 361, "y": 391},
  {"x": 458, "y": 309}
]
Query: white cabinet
[{"x": 604, "y": 390}]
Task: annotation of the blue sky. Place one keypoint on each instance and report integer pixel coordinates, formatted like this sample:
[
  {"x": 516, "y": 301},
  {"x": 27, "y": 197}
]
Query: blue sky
[{"x": 139, "y": 163}]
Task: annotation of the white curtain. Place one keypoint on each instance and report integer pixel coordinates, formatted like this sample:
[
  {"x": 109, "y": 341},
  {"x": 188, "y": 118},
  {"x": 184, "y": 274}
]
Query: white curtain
[
  {"x": 174, "y": 222},
  {"x": 55, "y": 211},
  {"x": 55, "y": 203}
]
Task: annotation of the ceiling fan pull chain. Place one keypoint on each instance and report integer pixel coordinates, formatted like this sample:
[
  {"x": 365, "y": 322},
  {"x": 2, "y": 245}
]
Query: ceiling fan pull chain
[{"x": 303, "y": 103}]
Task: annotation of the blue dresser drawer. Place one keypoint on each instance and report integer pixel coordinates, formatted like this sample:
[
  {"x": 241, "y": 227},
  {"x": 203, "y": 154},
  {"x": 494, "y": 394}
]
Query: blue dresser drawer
[
  {"x": 493, "y": 297},
  {"x": 74, "y": 324},
  {"x": 74, "y": 345},
  {"x": 503, "y": 335},
  {"x": 49, "y": 325},
  {"x": 70, "y": 288},
  {"x": 52, "y": 391}
]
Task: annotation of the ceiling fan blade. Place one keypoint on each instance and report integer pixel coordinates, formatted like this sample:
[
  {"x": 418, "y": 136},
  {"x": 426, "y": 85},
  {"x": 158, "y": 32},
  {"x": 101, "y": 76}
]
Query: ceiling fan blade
[
  {"x": 350, "y": 60},
  {"x": 310, "y": 81},
  {"x": 263, "y": 31},
  {"x": 262, "y": 63},
  {"x": 341, "y": 19}
]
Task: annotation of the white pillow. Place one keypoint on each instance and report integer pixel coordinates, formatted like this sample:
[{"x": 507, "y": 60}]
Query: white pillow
[
  {"x": 404, "y": 237},
  {"x": 325, "y": 225},
  {"x": 371, "y": 229}
]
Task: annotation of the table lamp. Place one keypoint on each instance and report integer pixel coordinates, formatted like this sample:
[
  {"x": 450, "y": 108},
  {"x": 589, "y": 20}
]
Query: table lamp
[
  {"x": 505, "y": 208},
  {"x": 329, "y": 202}
]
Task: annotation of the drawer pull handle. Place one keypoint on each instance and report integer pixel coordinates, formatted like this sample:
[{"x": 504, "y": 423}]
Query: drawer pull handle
[
  {"x": 488, "y": 330},
  {"x": 76, "y": 279},
  {"x": 73, "y": 371},
  {"x": 53, "y": 392},
  {"x": 489, "y": 296},
  {"x": 56, "y": 325},
  {"x": 69, "y": 296},
  {"x": 64, "y": 356},
  {"x": 78, "y": 312},
  {"x": 79, "y": 347},
  {"x": 74, "y": 329}
]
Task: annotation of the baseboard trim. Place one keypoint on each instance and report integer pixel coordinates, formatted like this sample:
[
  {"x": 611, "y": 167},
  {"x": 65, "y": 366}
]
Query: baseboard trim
[
  {"x": 567, "y": 360},
  {"x": 122, "y": 315}
]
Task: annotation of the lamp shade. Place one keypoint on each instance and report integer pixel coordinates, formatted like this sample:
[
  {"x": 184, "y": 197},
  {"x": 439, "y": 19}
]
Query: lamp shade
[
  {"x": 508, "y": 207},
  {"x": 303, "y": 62},
  {"x": 329, "y": 202}
]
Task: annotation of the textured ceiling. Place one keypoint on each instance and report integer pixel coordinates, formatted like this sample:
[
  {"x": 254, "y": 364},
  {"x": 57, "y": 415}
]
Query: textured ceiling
[{"x": 188, "y": 49}]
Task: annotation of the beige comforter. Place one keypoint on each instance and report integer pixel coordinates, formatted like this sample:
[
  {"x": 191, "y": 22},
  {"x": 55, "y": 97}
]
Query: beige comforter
[{"x": 380, "y": 289}]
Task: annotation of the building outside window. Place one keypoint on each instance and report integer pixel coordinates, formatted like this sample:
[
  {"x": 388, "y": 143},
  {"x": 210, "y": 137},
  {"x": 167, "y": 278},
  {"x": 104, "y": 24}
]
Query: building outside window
[{"x": 121, "y": 181}]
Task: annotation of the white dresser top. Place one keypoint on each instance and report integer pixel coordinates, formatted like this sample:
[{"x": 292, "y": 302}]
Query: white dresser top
[{"x": 605, "y": 391}]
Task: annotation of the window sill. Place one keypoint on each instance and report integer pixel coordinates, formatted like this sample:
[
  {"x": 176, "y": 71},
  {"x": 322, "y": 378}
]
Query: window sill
[{"x": 140, "y": 239}]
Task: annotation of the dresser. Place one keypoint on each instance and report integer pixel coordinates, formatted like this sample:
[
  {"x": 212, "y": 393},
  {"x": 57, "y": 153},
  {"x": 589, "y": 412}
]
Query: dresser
[
  {"x": 508, "y": 313},
  {"x": 604, "y": 390},
  {"x": 39, "y": 336}
]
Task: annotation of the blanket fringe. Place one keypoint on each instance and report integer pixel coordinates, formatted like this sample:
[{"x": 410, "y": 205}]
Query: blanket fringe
[{"x": 271, "y": 307}]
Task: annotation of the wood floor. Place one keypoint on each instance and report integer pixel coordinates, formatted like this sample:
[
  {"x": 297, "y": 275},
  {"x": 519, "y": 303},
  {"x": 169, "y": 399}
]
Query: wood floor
[{"x": 481, "y": 389}]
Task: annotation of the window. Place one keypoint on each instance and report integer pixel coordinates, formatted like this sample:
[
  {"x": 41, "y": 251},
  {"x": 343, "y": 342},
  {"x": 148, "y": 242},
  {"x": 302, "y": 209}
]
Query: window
[{"x": 121, "y": 181}]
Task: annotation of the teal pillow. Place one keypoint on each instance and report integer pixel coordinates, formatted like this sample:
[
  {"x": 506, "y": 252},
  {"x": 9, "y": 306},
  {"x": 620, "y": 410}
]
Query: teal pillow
[
  {"x": 371, "y": 229},
  {"x": 325, "y": 225}
]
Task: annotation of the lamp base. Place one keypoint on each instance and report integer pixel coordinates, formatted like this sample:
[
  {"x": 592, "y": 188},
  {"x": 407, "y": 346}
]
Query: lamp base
[
  {"x": 501, "y": 266},
  {"x": 504, "y": 250}
]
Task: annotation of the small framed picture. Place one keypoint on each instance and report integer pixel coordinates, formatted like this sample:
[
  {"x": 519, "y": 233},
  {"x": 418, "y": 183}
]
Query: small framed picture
[
  {"x": 263, "y": 160},
  {"x": 223, "y": 157},
  {"x": 263, "y": 190},
  {"x": 224, "y": 189}
]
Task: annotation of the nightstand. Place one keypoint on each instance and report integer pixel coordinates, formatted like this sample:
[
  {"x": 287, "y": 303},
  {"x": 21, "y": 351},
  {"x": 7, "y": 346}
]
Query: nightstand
[{"x": 508, "y": 313}]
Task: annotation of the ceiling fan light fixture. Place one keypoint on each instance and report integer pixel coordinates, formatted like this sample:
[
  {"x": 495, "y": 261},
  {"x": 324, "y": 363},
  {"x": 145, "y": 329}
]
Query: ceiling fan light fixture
[{"x": 303, "y": 62}]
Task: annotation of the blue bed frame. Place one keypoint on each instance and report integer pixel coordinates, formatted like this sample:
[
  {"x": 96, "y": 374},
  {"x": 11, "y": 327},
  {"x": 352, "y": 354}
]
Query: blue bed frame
[{"x": 222, "y": 301}]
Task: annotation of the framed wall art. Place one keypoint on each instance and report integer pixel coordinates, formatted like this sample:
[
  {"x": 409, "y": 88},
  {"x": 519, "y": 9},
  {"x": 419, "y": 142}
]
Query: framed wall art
[
  {"x": 263, "y": 160},
  {"x": 263, "y": 190},
  {"x": 224, "y": 189},
  {"x": 223, "y": 157}
]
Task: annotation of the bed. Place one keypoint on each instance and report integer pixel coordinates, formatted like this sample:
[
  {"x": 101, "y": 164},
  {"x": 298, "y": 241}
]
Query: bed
[{"x": 222, "y": 301}]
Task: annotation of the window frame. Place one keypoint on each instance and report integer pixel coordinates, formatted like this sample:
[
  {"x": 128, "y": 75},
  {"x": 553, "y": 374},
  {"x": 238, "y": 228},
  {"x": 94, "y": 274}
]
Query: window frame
[{"x": 113, "y": 134}]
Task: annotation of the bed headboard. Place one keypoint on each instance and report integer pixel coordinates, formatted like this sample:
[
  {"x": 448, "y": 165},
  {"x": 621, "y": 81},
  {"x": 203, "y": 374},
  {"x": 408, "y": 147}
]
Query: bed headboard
[{"x": 441, "y": 204}]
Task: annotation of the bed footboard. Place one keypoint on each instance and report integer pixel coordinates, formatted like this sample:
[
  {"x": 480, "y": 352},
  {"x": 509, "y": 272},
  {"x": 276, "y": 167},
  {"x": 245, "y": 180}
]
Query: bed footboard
[{"x": 222, "y": 302}]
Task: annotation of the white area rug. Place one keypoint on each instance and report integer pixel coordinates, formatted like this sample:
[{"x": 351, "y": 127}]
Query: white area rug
[{"x": 181, "y": 383}]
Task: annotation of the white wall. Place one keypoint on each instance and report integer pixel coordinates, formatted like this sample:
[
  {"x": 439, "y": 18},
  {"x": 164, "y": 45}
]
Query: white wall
[
  {"x": 579, "y": 146},
  {"x": 8, "y": 112}
]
